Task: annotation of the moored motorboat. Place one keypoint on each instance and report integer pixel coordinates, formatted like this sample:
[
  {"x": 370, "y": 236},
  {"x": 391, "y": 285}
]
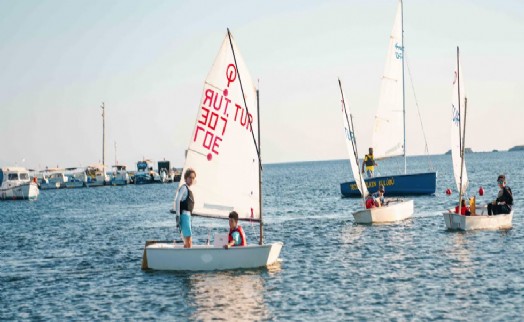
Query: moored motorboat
[
  {"x": 15, "y": 183},
  {"x": 96, "y": 176},
  {"x": 54, "y": 178},
  {"x": 119, "y": 177},
  {"x": 76, "y": 178}
]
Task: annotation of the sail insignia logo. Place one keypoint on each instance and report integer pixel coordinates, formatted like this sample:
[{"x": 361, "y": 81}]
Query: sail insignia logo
[
  {"x": 399, "y": 51},
  {"x": 349, "y": 134},
  {"x": 456, "y": 115}
]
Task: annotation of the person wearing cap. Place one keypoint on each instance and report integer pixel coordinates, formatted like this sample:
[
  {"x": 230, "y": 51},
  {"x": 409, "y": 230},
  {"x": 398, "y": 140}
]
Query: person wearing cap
[
  {"x": 368, "y": 164},
  {"x": 504, "y": 201},
  {"x": 378, "y": 197}
]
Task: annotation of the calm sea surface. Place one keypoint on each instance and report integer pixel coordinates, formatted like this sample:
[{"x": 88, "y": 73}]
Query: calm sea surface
[{"x": 76, "y": 254}]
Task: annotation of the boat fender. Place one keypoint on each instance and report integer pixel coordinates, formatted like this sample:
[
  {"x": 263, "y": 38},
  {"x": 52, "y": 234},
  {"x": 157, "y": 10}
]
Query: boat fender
[{"x": 481, "y": 191}]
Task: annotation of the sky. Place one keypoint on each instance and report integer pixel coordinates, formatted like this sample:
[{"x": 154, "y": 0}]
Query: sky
[{"x": 147, "y": 62}]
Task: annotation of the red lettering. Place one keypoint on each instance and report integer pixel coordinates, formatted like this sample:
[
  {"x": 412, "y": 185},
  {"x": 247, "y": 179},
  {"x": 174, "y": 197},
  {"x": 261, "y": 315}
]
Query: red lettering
[
  {"x": 243, "y": 119},
  {"x": 249, "y": 122},
  {"x": 208, "y": 96},
  {"x": 236, "y": 112},
  {"x": 212, "y": 125},
  {"x": 208, "y": 139},
  {"x": 225, "y": 124},
  {"x": 205, "y": 113},
  {"x": 215, "y": 144},
  {"x": 217, "y": 108},
  {"x": 227, "y": 104},
  {"x": 196, "y": 132}
]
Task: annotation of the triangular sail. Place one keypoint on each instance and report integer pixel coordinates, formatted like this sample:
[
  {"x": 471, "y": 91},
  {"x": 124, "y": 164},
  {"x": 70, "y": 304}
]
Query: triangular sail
[
  {"x": 388, "y": 131},
  {"x": 457, "y": 129},
  {"x": 222, "y": 150},
  {"x": 349, "y": 137}
]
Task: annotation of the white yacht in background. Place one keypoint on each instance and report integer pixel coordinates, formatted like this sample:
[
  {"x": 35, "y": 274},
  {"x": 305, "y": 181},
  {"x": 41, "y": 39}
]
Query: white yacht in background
[
  {"x": 53, "y": 178},
  {"x": 145, "y": 173},
  {"x": 96, "y": 176},
  {"x": 76, "y": 178},
  {"x": 119, "y": 177},
  {"x": 15, "y": 183}
]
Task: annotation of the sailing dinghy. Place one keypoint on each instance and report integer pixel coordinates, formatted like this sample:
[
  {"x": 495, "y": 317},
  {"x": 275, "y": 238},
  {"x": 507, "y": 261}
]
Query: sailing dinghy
[
  {"x": 395, "y": 210},
  {"x": 477, "y": 219},
  {"x": 224, "y": 150},
  {"x": 389, "y": 132}
]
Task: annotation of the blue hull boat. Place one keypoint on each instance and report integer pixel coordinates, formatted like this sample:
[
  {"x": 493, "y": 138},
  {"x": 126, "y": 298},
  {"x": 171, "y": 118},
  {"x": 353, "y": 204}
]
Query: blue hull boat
[{"x": 396, "y": 185}]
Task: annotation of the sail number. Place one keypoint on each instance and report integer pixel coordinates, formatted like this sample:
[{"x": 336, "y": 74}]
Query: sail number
[{"x": 212, "y": 124}]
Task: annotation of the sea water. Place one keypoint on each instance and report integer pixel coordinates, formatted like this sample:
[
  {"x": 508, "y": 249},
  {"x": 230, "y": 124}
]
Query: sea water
[{"x": 76, "y": 254}]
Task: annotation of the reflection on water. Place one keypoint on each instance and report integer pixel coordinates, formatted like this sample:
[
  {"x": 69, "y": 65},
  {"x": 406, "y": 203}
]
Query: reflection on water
[{"x": 227, "y": 296}]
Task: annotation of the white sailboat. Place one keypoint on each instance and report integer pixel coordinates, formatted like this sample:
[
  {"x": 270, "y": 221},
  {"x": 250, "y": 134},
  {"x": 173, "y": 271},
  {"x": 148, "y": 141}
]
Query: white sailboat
[
  {"x": 389, "y": 131},
  {"x": 395, "y": 210},
  {"x": 224, "y": 150},
  {"x": 478, "y": 218}
]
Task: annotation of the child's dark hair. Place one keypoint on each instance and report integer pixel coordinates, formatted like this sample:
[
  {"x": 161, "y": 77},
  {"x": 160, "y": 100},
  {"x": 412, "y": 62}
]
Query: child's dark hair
[{"x": 233, "y": 215}]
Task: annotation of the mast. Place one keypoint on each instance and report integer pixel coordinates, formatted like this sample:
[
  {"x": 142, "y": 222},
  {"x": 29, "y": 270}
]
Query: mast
[
  {"x": 116, "y": 160},
  {"x": 461, "y": 136},
  {"x": 261, "y": 241},
  {"x": 103, "y": 135},
  {"x": 403, "y": 89},
  {"x": 257, "y": 146}
]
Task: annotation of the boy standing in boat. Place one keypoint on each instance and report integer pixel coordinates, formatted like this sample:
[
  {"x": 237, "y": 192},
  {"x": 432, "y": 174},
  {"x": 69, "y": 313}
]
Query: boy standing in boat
[
  {"x": 504, "y": 201},
  {"x": 184, "y": 204},
  {"x": 236, "y": 233},
  {"x": 369, "y": 164}
]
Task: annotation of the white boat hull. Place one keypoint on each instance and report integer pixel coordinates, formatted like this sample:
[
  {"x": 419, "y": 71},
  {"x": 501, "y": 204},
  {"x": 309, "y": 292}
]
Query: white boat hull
[
  {"x": 21, "y": 191},
  {"x": 50, "y": 185},
  {"x": 480, "y": 221},
  {"x": 395, "y": 211},
  {"x": 74, "y": 184},
  {"x": 168, "y": 256}
]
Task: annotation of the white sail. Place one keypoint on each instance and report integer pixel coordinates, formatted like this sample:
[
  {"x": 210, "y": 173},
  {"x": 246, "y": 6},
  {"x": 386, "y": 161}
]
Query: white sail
[
  {"x": 222, "y": 149},
  {"x": 388, "y": 131},
  {"x": 349, "y": 137},
  {"x": 457, "y": 128}
]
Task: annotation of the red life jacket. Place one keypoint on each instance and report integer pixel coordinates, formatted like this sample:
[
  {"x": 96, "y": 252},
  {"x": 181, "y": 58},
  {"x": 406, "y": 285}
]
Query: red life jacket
[
  {"x": 242, "y": 236},
  {"x": 462, "y": 210},
  {"x": 370, "y": 203}
]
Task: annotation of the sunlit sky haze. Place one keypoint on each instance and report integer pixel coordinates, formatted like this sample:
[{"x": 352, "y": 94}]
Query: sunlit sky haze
[{"x": 147, "y": 61}]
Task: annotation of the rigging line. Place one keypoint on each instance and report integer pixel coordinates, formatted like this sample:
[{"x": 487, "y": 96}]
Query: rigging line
[
  {"x": 244, "y": 96},
  {"x": 419, "y": 115}
]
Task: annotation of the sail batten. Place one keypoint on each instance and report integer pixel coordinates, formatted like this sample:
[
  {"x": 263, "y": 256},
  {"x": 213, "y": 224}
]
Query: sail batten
[{"x": 222, "y": 149}]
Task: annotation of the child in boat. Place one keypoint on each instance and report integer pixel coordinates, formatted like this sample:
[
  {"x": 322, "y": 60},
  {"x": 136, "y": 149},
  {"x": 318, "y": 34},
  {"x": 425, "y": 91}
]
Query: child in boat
[
  {"x": 236, "y": 233},
  {"x": 376, "y": 199},
  {"x": 464, "y": 210},
  {"x": 184, "y": 203},
  {"x": 504, "y": 201}
]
